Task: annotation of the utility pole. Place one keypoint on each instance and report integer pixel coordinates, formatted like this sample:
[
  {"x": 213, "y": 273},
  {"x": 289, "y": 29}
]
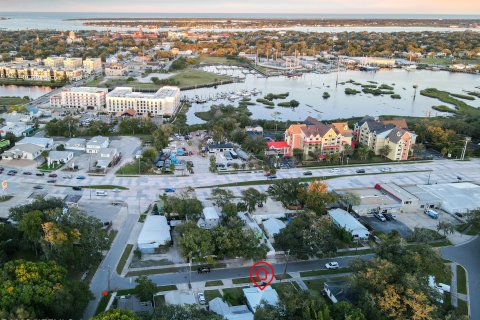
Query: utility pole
[
  {"x": 286, "y": 265},
  {"x": 467, "y": 140},
  {"x": 428, "y": 182},
  {"x": 190, "y": 268},
  {"x": 108, "y": 278}
]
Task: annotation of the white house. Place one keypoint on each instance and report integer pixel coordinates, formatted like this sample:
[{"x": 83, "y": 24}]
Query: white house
[
  {"x": 209, "y": 219},
  {"x": 107, "y": 156},
  {"x": 155, "y": 233},
  {"x": 255, "y": 297},
  {"x": 273, "y": 226},
  {"x": 221, "y": 308},
  {"x": 180, "y": 298},
  {"x": 346, "y": 221},
  {"x": 44, "y": 143},
  {"x": 76, "y": 144},
  {"x": 24, "y": 151},
  {"x": 18, "y": 129},
  {"x": 58, "y": 157},
  {"x": 96, "y": 143}
]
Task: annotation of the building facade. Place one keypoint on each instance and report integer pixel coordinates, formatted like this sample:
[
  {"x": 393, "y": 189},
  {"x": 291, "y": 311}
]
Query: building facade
[
  {"x": 164, "y": 102},
  {"x": 116, "y": 70},
  {"x": 92, "y": 65},
  {"x": 89, "y": 98}
]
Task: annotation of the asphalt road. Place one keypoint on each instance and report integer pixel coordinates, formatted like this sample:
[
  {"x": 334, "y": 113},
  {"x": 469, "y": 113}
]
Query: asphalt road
[{"x": 468, "y": 255}]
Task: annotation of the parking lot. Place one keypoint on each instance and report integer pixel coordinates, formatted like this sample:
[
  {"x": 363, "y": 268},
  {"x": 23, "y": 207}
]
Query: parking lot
[{"x": 388, "y": 226}]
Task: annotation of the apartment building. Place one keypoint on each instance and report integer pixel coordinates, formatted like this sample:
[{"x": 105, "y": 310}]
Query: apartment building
[
  {"x": 72, "y": 63},
  {"x": 164, "y": 102},
  {"x": 92, "y": 65},
  {"x": 116, "y": 70},
  {"x": 54, "y": 62},
  {"x": 314, "y": 137},
  {"x": 89, "y": 98},
  {"x": 378, "y": 134}
]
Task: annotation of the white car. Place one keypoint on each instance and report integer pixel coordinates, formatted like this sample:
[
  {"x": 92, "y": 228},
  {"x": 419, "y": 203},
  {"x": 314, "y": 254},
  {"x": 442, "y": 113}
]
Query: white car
[
  {"x": 332, "y": 265},
  {"x": 201, "y": 298},
  {"x": 335, "y": 170},
  {"x": 386, "y": 169}
]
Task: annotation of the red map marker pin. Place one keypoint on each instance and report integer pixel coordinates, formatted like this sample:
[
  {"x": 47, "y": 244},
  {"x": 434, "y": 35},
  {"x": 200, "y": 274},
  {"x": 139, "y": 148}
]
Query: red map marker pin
[
  {"x": 104, "y": 293},
  {"x": 262, "y": 274}
]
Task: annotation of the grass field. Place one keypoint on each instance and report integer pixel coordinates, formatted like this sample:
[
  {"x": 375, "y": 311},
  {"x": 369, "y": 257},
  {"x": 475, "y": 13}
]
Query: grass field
[
  {"x": 241, "y": 280},
  {"x": 213, "y": 283},
  {"x": 204, "y": 59},
  {"x": 189, "y": 78},
  {"x": 7, "y": 101},
  {"x": 212, "y": 294},
  {"x": 461, "y": 280},
  {"x": 21, "y": 82},
  {"x": 5, "y": 198},
  {"x": 449, "y": 61},
  {"x": 234, "y": 296},
  {"x": 324, "y": 272},
  {"x": 123, "y": 259}
]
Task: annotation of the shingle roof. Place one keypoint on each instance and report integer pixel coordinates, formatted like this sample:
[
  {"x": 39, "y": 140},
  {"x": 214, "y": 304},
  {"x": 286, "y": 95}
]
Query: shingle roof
[
  {"x": 378, "y": 127},
  {"x": 396, "y": 135},
  {"x": 398, "y": 123}
]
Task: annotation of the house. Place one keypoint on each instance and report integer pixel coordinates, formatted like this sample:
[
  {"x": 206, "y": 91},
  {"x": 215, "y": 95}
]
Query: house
[
  {"x": 134, "y": 304},
  {"x": 346, "y": 221},
  {"x": 180, "y": 298},
  {"x": 317, "y": 139},
  {"x": 96, "y": 143},
  {"x": 59, "y": 157},
  {"x": 18, "y": 129},
  {"x": 107, "y": 157},
  {"x": 155, "y": 233},
  {"x": 210, "y": 218},
  {"x": 27, "y": 151},
  {"x": 278, "y": 147},
  {"x": 221, "y": 308},
  {"x": 256, "y": 297},
  {"x": 273, "y": 226},
  {"x": 44, "y": 143},
  {"x": 76, "y": 144},
  {"x": 220, "y": 147}
]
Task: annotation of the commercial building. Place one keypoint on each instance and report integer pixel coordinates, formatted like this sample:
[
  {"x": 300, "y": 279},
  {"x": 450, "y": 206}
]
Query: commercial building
[
  {"x": 72, "y": 63},
  {"x": 59, "y": 157},
  {"x": 377, "y": 135},
  {"x": 96, "y": 143},
  {"x": 44, "y": 143},
  {"x": 54, "y": 61},
  {"x": 116, "y": 70},
  {"x": 318, "y": 139},
  {"x": 372, "y": 200},
  {"x": 278, "y": 147},
  {"x": 220, "y": 147},
  {"x": 76, "y": 144},
  {"x": 90, "y": 98},
  {"x": 155, "y": 233},
  {"x": 26, "y": 151},
  {"x": 164, "y": 102},
  {"x": 92, "y": 65},
  {"x": 107, "y": 158},
  {"x": 345, "y": 220}
]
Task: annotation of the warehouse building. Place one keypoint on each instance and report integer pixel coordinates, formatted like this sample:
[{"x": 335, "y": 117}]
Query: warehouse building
[{"x": 155, "y": 233}]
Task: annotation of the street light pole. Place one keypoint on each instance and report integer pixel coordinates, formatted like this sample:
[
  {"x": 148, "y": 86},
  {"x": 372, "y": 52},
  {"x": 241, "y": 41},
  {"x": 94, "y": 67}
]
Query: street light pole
[
  {"x": 286, "y": 265},
  {"x": 108, "y": 278},
  {"x": 190, "y": 268}
]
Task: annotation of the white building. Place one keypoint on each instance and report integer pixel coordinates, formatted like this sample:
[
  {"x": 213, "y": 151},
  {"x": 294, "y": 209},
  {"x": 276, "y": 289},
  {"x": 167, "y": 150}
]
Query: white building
[
  {"x": 81, "y": 97},
  {"x": 54, "y": 61},
  {"x": 221, "y": 308},
  {"x": 96, "y": 143},
  {"x": 18, "y": 129},
  {"x": 26, "y": 151},
  {"x": 346, "y": 221},
  {"x": 164, "y": 102},
  {"x": 58, "y": 157},
  {"x": 92, "y": 65},
  {"x": 180, "y": 298},
  {"x": 209, "y": 219},
  {"x": 155, "y": 233},
  {"x": 116, "y": 70},
  {"x": 76, "y": 144},
  {"x": 255, "y": 297},
  {"x": 72, "y": 63},
  {"x": 44, "y": 143},
  {"x": 107, "y": 156},
  {"x": 273, "y": 226}
]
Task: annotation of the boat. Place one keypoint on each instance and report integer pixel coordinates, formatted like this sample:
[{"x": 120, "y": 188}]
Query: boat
[
  {"x": 233, "y": 97},
  {"x": 410, "y": 67},
  {"x": 368, "y": 68},
  {"x": 290, "y": 74}
]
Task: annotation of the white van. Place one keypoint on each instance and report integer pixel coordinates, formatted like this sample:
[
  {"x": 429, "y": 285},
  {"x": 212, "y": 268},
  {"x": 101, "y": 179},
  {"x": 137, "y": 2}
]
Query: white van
[{"x": 102, "y": 193}]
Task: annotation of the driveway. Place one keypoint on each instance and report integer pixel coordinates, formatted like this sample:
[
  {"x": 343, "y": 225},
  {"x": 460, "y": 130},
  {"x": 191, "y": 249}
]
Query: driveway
[
  {"x": 388, "y": 226},
  {"x": 468, "y": 255}
]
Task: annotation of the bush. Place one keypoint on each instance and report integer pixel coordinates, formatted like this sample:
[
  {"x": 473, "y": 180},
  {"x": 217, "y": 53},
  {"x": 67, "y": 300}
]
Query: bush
[
  {"x": 350, "y": 91},
  {"x": 265, "y": 102},
  {"x": 395, "y": 96}
]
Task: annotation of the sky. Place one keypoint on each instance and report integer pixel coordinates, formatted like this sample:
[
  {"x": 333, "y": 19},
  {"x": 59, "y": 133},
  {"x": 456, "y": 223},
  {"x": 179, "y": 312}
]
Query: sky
[{"x": 247, "y": 6}]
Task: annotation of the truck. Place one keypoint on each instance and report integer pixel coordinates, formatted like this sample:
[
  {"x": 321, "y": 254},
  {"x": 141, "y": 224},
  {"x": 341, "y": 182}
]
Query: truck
[{"x": 431, "y": 213}]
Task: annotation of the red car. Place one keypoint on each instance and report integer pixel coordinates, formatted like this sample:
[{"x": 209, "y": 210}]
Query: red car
[{"x": 52, "y": 175}]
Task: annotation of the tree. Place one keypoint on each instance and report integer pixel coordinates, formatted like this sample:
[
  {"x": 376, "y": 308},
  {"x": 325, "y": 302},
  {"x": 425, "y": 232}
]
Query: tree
[
  {"x": 195, "y": 242},
  {"x": 221, "y": 196},
  {"x": 160, "y": 137},
  {"x": 145, "y": 288},
  {"x": 287, "y": 191},
  {"x": 185, "y": 206},
  {"x": 385, "y": 150},
  {"x": 116, "y": 314},
  {"x": 31, "y": 226},
  {"x": 418, "y": 149},
  {"x": 445, "y": 227},
  {"x": 236, "y": 166},
  {"x": 213, "y": 164},
  {"x": 473, "y": 219},
  {"x": 350, "y": 199},
  {"x": 186, "y": 312},
  {"x": 252, "y": 197},
  {"x": 316, "y": 197},
  {"x": 363, "y": 151},
  {"x": 298, "y": 155},
  {"x": 149, "y": 155}
]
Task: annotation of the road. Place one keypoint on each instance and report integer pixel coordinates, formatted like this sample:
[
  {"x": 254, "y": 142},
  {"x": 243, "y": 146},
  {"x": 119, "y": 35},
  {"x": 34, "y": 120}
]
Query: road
[{"x": 468, "y": 255}]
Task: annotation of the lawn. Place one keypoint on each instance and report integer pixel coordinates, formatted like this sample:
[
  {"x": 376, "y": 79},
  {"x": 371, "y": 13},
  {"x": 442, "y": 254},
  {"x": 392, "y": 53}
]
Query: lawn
[
  {"x": 150, "y": 86},
  {"x": 463, "y": 307},
  {"x": 324, "y": 272},
  {"x": 102, "y": 304},
  {"x": 234, "y": 296},
  {"x": 285, "y": 287},
  {"x": 5, "y": 198},
  {"x": 461, "y": 280},
  {"x": 134, "y": 168},
  {"x": 212, "y": 294},
  {"x": 7, "y": 101},
  {"x": 282, "y": 277},
  {"x": 123, "y": 259},
  {"x": 95, "y": 82},
  {"x": 448, "y": 61},
  {"x": 315, "y": 285},
  {"x": 159, "y": 289},
  {"x": 45, "y": 167},
  {"x": 105, "y": 186},
  {"x": 241, "y": 280},
  {"x": 191, "y": 78},
  {"x": 214, "y": 283},
  {"x": 153, "y": 271}
]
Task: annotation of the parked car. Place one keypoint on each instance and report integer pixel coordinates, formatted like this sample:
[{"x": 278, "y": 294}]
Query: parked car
[
  {"x": 102, "y": 193},
  {"x": 203, "y": 269},
  {"x": 39, "y": 174},
  {"x": 458, "y": 214},
  {"x": 360, "y": 171},
  {"x": 27, "y": 173},
  {"x": 388, "y": 169},
  {"x": 116, "y": 190},
  {"x": 332, "y": 265},
  {"x": 380, "y": 217},
  {"x": 11, "y": 173},
  {"x": 51, "y": 181},
  {"x": 168, "y": 190},
  {"x": 432, "y": 213},
  {"x": 272, "y": 176},
  {"x": 389, "y": 216},
  {"x": 77, "y": 188},
  {"x": 81, "y": 177},
  {"x": 67, "y": 177},
  {"x": 335, "y": 170},
  {"x": 38, "y": 187},
  {"x": 201, "y": 298},
  {"x": 307, "y": 173},
  {"x": 52, "y": 175}
]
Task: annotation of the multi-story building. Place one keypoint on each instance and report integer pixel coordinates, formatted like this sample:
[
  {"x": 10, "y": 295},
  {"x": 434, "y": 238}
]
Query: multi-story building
[
  {"x": 54, "y": 62},
  {"x": 72, "y": 63},
  {"x": 80, "y": 97},
  {"x": 116, "y": 70},
  {"x": 378, "y": 134},
  {"x": 164, "y": 102},
  {"x": 92, "y": 65},
  {"x": 319, "y": 139}
]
